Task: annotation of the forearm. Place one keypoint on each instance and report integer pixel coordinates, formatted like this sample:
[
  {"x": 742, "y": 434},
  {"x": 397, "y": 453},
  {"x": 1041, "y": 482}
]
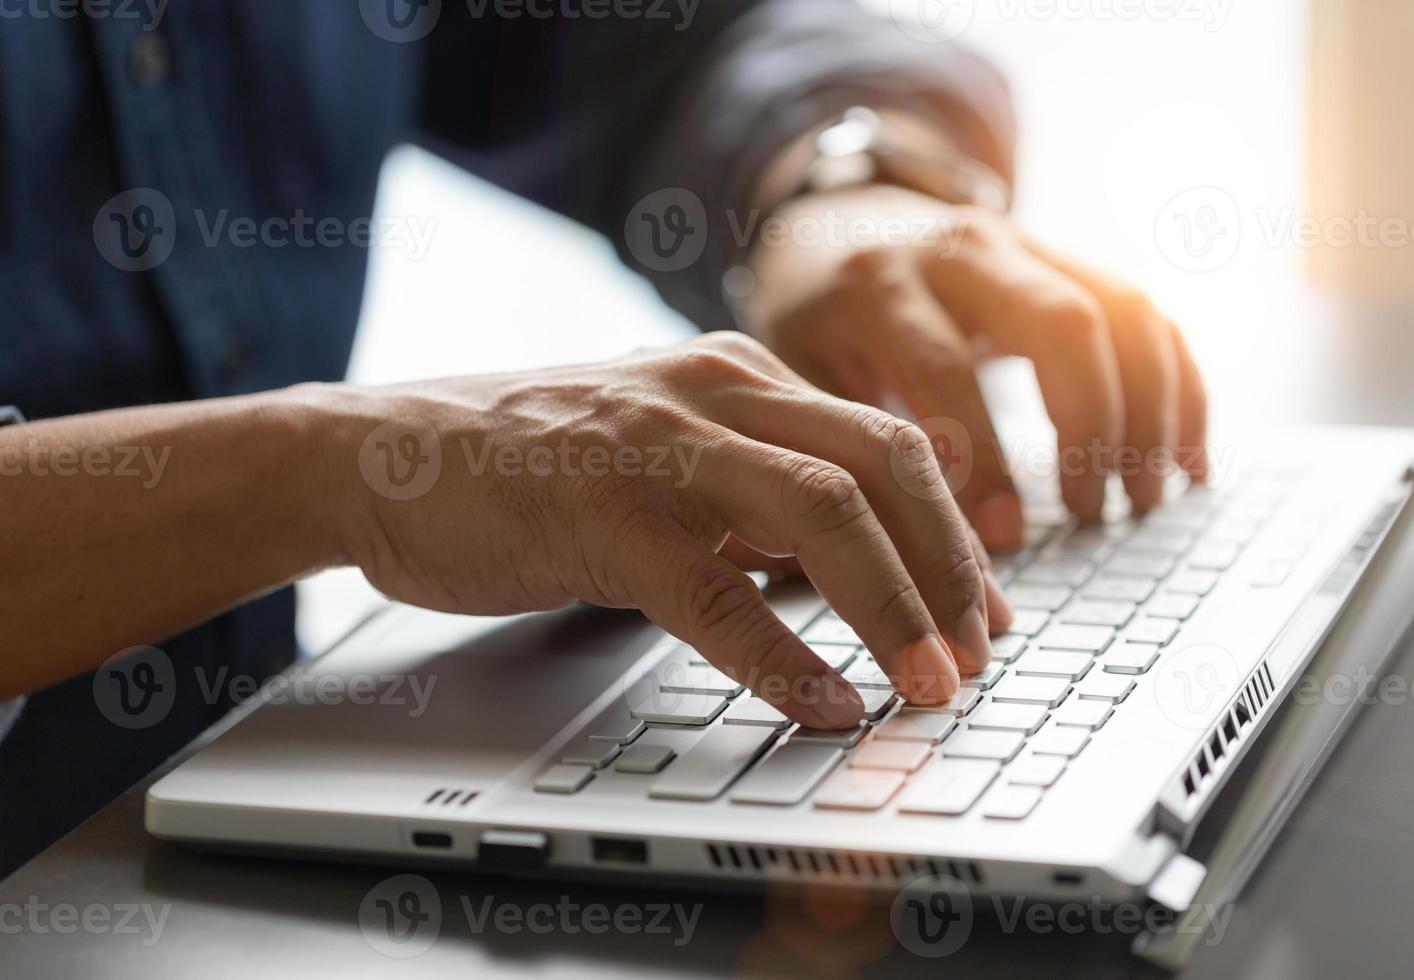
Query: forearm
[{"x": 128, "y": 526}]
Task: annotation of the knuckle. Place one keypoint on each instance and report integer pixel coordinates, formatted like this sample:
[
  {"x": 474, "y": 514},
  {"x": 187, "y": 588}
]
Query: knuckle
[
  {"x": 737, "y": 345},
  {"x": 961, "y": 580},
  {"x": 875, "y": 263},
  {"x": 715, "y": 600},
  {"x": 707, "y": 363},
  {"x": 1074, "y": 316},
  {"x": 825, "y": 495},
  {"x": 1132, "y": 305},
  {"x": 902, "y": 603},
  {"x": 974, "y": 225}
]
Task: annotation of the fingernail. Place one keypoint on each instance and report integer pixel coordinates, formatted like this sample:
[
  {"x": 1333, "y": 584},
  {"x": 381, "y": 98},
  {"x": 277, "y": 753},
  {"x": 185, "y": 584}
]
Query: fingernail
[
  {"x": 973, "y": 647},
  {"x": 999, "y": 523},
  {"x": 927, "y": 673},
  {"x": 999, "y": 612},
  {"x": 840, "y": 705}
]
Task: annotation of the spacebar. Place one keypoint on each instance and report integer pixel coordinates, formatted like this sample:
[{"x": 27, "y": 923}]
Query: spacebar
[{"x": 709, "y": 767}]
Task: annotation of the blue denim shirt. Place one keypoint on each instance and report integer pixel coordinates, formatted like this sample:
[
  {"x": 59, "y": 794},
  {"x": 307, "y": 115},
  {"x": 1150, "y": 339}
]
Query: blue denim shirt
[{"x": 184, "y": 191}]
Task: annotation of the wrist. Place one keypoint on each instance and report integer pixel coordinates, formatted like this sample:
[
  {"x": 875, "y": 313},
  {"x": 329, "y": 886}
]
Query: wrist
[{"x": 321, "y": 426}]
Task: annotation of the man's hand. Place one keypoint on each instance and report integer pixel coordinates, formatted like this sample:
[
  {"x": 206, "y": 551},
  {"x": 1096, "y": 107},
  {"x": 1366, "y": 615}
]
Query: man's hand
[
  {"x": 619, "y": 484},
  {"x": 920, "y": 289}
]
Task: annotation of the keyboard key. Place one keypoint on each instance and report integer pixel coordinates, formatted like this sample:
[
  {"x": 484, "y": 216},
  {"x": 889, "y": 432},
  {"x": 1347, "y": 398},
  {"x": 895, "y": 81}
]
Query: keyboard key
[
  {"x": 1098, "y": 612},
  {"x": 1141, "y": 565},
  {"x": 1171, "y": 606},
  {"x": 664, "y": 708},
  {"x": 1060, "y": 741},
  {"x": 563, "y": 779},
  {"x": 1130, "y": 658},
  {"x": 677, "y": 677},
  {"x": 754, "y": 711},
  {"x": 986, "y": 677},
  {"x": 1049, "y": 691},
  {"x": 1056, "y": 571},
  {"x": 837, "y": 656},
  {"x": 839, "y": 739},
  {"x": 948, "y": 787},
  {"x": 1011, "y": 802},
  {"x": 830, "y": 629},
  {"x": 888, "y": 754},
  {"x": 912, "y": 725},
  {"x": 1076, "y": 713},
  {"x": 590, "y": 753},
  {"x": 710, "y": 766},
  {"x": 1161, "y": 541},
  {"x": 1214, "y": 557},
  {"x": 865, "y": 672},
  {"x": 968, "y": 743},
  {"x": 959, "y": 704},
  {"x": 858, "y": 789},
  {"x": 620, "y": 730},
  {"x": 1084, "y": 639},
  {"x": 1054, "y": 663},
  {"x": 1046, "y": 597},
  {"x": 1271, "y": 574},
  {"x": 1008, "y": 717},
  {"x": 1029, "y": 622},
  {"x": 1036, "y": 770},
  {"x": 1091, "y": 544},
  {"x": 788, "y": 774},
  {"x": 1193, "y": 582},
  {"x": 1007, "y": 648},
  {"x": 644, "y": 759},
  {"x": 1151, "y": 629},
  {"x": 877, "y": 702},
  {"x": 1102, "y": 686},
  {"x": 1118, "y": 589}
]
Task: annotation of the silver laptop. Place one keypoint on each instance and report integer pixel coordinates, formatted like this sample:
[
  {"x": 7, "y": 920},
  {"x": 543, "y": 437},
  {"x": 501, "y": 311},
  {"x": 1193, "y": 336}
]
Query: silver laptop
[{"x": 1146, "y": 657}]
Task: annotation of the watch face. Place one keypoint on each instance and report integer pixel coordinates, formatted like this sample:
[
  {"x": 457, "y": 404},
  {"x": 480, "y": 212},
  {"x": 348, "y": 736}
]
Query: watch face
[{"x": 10, "y": 415}]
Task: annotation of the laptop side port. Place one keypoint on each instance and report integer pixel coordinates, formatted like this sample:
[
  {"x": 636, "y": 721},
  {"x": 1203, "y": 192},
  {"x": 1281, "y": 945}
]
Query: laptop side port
[
  {"x": 618, "y": 850},
  {"x": 433, "y": 839}
]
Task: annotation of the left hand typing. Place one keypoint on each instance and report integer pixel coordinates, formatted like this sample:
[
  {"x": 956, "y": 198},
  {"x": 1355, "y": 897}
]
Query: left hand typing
[{"x": 875, "y": 291}]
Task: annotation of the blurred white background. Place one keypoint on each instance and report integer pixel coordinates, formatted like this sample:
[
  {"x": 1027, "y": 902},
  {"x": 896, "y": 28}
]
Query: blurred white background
[{"x": 1120, "y": 116}]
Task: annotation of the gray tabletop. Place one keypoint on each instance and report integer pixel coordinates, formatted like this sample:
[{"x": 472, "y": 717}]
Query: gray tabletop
[{"x": 1332, "y": 897}]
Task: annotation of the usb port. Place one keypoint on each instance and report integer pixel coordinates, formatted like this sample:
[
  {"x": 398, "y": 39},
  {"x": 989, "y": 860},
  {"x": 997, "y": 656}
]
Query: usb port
[
  {"x": 617, "y": 850},
  {"x": 431, "y": 838}
]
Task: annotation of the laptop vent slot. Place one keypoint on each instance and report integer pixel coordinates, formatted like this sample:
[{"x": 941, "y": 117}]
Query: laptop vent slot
[
  {"x": 447, "y": 797},
  {"x": 1230, "y": 730},
  {"x": 794, "y": 862}
]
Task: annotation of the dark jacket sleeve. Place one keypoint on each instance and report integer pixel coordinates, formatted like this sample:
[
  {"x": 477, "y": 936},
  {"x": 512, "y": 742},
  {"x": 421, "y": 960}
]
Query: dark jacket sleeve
[{"x": 682, "y": 105}]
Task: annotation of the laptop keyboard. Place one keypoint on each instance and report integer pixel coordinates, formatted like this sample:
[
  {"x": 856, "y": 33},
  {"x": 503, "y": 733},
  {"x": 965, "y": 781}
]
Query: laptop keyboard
[{"x": 1095, "y": 607}]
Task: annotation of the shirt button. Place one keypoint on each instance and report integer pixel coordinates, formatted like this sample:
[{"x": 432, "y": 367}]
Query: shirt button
[{"x": 150, "y": 60}]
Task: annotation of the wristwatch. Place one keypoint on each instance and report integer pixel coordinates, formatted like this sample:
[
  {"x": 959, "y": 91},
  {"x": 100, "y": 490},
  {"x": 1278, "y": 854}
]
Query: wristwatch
[
  {"x": 862, "y": 146},
  {"x": 10, "y": 415}
]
